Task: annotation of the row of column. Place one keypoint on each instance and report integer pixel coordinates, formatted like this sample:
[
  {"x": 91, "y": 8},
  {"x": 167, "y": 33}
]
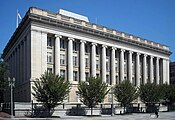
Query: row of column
[{"x": 103, "y": 69}]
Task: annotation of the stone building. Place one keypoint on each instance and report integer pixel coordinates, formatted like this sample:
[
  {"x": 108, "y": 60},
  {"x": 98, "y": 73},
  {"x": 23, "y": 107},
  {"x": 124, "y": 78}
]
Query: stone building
[
  {"x": 69, "y": 45},
  {"x": 172, "y": 73}
]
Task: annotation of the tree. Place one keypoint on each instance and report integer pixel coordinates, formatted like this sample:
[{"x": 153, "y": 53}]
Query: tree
[
  {"x": 50, "y": 89},
  {"x": 125, "y": 93},
  {"x": 149, "y": 93},
  {"x": 4, "y": 73},
  {"x": 92, "y": 92}
]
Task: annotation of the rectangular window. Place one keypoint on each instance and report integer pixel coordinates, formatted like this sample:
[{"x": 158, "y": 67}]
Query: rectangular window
[
  {"x": 97, "y": 64},
  {"x": 116, "y": 67},
  {"x": 62, "y": 73},
  {"x": 87, "y": 62},
  {"x": 86, "y": 48},
  {"x": 49, "y": 41},
  {"x": 75, "y": 76},
  {"x": 97, "y": 50},
  {"x": 62, "y": 59},
  {"x": 107, "y": 66},
  {"x": 49, "y": 57},
  {"x": 49, "y": 70},
  {"x": 107, "y": 79},
  {"x": 125, "y": 68},
  {"x": 87, "y": 75},
  {"x": 75, "y": 63},
  {"x": 62, "y": 44},
  {"x": 74, "y": 46}
]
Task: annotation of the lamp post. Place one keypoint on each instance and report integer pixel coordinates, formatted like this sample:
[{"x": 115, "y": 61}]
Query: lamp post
[
  {"x": 11, "y": 84},
  {"x": 112, "y": 105}
]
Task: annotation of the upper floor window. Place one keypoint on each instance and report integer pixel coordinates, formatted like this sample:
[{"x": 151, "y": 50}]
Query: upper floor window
[
  {"x": 107, "y": 65},
  {"x": 86, "y": 62},
  {"x": 62, "y": 59},
  {"x": 62, "y": 73},
  {"x": 75, "y": 46},
  {"x": 87, "y": 75},
  {"x": 49, "y": 57},
  {"x": 49, "y": 70},
  {"x": 62, "y": 44},
  {"x": 116, "y": 66},
  {"x": 97, "y": 50},
  {"x": 49, "y": 41},
  {"x": 86, "y": 48},
  {"x": 107, "y": 79},
  {"x": 75, "y": 75},
  {"x": 97, "y": 64},
  {"x": 75, "y": 62}
]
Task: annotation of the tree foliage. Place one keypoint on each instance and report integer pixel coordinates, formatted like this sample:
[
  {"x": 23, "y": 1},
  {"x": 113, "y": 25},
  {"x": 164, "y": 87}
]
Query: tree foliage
[
  {"x": 4, "y": 73},
  {"x": 125, "y": 93},
  {"x": 92, "y": 92},
  {"x": 50, "y": 89},
  {"x": 149, "y": 93},
  {"x": 167, "y": 93}
]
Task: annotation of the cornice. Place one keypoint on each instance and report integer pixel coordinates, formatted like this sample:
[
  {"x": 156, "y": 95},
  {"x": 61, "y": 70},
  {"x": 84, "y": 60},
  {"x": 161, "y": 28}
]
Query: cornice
[{"x": 75, "y": 27}]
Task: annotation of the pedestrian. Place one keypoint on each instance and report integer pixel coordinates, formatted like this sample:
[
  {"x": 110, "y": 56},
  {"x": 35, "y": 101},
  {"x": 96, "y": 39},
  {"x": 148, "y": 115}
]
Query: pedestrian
[{"x": 157, "y": 114}]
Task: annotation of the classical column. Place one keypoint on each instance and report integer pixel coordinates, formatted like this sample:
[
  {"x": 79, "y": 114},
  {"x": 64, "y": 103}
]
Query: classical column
[
  {"x": 104, "y": 63},
  {"x": 168, "y": 78},
  {"x": 113, "y": 81},
  {"x": 57, "y": 54},
  {"x": 130, "y": 66},
  {"x": 121, "y": 65},
  {"x": 144, "y": 70},
  {"x": 138, "y": 69},
  {"x": 157, "y": 71},
  {"x": 70, "y": 59},
  {"x": 93, "y": 60},
  {"x": 82, "y": 60},
  {"x": 164, "y": 71},
  {"x": 151, "y": 69}
]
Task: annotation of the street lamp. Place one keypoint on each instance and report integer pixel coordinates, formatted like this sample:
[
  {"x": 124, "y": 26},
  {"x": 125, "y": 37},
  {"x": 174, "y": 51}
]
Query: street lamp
[
  {"x": 11, "y": 84},
  {"x": 112, "y": 105}
]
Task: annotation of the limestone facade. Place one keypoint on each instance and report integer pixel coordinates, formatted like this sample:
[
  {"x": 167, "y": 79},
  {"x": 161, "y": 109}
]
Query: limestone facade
[{"x": 76, "y": 50}]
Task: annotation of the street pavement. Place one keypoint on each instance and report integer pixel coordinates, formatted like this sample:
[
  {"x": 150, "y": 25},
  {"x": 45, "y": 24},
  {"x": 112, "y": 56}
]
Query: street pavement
[{"x": 134, "y": 116}]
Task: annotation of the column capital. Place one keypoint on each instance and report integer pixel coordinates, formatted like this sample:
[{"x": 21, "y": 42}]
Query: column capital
[
  {"x": 58, "y": 36},
  {"x": 114, "y": 48},
  {"x": 158, "y": 58},
  {"x": 145, "y": 55},
  {"x": 151, "y": 56},
  {"x": 122, "y": 50},
  {"x": 69, "y": 38},
  {"x": 131, "y": 52},
  {"x": 94, "y": 43},
  {"x": 82, "y": 41},
  {"x": 104, "y": 46},
  {"x": 138, "y": 53}
]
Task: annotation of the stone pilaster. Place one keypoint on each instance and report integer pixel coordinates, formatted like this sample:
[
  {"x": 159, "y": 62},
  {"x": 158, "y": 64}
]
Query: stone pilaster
[
  {"x": 113, "y": 81},
  {"x": 104, "y": 63},
  {"x": 151, "y": 69},
  {"x": 70, "y": 59},
  {"x": 121, "y": 65},
  {"x": 82, "y": 60},
  {"x": 57, "y": 54},
  {"x": 138, "y": 69},
  {"x": 130, "y": 66},
  {"x": 93, "y": 60},
  {"x": 144, "y": 69},
  {"x": 157, "y": 70}
]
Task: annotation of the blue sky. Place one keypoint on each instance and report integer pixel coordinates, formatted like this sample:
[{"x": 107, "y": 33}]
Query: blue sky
[{"x": 150, "y": 19}]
